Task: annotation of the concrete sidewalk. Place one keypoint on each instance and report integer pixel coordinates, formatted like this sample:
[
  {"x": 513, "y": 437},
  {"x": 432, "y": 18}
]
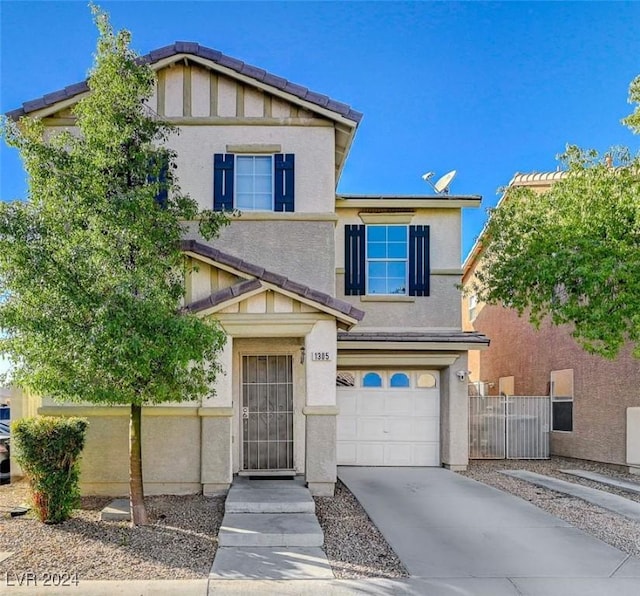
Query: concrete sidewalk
[
  {"x": 617, "y": 586},
  {"x": 446, "y": 527}
]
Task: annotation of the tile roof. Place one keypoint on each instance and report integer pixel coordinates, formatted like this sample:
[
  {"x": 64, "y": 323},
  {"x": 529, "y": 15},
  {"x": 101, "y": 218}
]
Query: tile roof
[
  {"x": 239, "y": 289},
  {"x": 262, "y": 275},
  {"x": 185, "y": 47},
  {"x": 470, "y": 337},
  {"x": 537, "y": 178}
]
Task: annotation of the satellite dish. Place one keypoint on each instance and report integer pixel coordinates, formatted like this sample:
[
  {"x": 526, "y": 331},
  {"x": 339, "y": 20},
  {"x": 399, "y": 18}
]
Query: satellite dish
[{"x": 442, "y": 185}]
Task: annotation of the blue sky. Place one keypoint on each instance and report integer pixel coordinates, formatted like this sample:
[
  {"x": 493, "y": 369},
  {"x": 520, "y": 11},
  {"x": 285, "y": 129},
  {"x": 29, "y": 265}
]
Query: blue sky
[{"x": 488, "y": 89}]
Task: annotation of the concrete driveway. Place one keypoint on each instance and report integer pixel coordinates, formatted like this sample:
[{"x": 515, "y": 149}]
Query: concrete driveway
[{"x": 465, "y": 537}]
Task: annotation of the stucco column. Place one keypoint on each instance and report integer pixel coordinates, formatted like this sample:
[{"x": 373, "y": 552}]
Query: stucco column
[
  {"x": 320, "y": 410},
  {"x": 454, "y": 416},
  {"x": 216, "y": 415}
]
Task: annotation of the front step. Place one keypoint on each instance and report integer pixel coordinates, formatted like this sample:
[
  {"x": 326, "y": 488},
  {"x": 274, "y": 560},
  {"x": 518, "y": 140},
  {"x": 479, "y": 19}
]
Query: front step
[
  {"x": 270, "y": 529},
  {"x": 270, "y": 500}
]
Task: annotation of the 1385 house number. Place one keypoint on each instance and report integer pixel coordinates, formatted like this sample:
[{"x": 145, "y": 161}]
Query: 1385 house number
[{"x": 321, "y": 356}]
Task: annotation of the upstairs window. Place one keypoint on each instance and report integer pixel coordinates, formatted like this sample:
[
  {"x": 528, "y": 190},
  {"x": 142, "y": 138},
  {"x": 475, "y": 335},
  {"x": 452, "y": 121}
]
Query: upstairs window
[
  {"x": 254, "y": 182},
  {"x": 389, "y": 260},
  {"x": 387, "y": 256}
]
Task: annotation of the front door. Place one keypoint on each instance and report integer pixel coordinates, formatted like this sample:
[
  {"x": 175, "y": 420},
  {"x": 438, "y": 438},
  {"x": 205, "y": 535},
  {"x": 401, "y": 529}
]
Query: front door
[{"x": 267, "y": 413}]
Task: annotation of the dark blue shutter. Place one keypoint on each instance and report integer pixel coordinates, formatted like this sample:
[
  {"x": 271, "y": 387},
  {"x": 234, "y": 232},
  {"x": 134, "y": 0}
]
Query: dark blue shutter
[
  {"x": 283, "y": 186},
  {"x": 160, "y": 163},
  {"x": 354, "y": 260},
  {"x": 419, "y": 269},
  {"x": 223, "y": 182}
]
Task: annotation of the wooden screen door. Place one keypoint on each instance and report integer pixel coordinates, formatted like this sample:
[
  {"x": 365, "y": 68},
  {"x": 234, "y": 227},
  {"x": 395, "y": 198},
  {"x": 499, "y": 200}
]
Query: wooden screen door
[{"x": 267, "y": 413}]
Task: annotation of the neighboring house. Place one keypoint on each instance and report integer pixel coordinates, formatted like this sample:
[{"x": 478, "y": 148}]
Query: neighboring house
[
  {"x": 288, "y": 280},
  {"x": 590, "y": 395}
]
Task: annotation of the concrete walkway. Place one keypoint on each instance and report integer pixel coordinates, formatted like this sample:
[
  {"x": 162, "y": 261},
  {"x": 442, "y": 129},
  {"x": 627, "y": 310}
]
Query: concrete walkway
[
  {"x": 470, "y": 538},
  {"x": 270, "y": 531},
  {"x": 627, "y": 485},
  {"x": 626, "y": 507}
]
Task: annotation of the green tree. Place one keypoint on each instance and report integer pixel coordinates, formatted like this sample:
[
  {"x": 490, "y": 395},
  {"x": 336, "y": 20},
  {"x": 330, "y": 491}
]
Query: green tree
[
  {"x": 572, "y": 253},
  {"x": 90, "y": 264},
  {"x": 633, "y": 119}
]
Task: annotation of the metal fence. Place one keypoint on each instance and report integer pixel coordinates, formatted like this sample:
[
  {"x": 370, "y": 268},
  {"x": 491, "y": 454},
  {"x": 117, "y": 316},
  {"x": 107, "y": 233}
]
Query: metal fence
[{"x": 509, "y": 427}]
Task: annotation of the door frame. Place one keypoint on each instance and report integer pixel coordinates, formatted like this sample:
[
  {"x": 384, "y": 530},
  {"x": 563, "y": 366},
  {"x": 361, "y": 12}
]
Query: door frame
[
  {"x": 270, "y": 347},
  {"x": 263, "y": 401}
]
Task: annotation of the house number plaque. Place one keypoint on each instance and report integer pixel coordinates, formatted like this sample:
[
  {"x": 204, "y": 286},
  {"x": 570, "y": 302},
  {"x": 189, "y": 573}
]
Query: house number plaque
[{"x": 325, "y": 356}]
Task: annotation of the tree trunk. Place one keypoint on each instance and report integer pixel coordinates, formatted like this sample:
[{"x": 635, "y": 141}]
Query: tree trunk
[{"x": 136, "y": 489}]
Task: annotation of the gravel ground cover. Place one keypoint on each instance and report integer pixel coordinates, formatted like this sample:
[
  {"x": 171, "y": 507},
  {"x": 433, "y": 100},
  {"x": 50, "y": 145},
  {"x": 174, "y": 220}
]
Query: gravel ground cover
[
  {"x": 616, "y": 530},
  {"x": 353, "y": 544},
  {"x": 180, "y": 542}
]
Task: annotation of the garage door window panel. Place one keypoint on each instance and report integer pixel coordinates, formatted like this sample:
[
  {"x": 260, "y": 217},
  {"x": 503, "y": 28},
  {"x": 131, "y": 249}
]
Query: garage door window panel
[
  {"x": 372, "y": 379},
  {"x": 426, "y": 381},
  {"x": 345, "y": 378},
  {"x": 399, "y": 380}
]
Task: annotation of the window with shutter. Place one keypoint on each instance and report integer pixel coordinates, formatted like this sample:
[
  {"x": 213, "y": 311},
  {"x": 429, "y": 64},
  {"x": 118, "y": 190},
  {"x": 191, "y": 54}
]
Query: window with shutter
[
  {"x": 419, "y": 266},
  {"x": 284, "y": 182},
  {"x": 223, "y": 182},
  {"x": 387, "y": 260},
  {"x": 355, "y": 260},
  {"x": 254, "y": 182}
]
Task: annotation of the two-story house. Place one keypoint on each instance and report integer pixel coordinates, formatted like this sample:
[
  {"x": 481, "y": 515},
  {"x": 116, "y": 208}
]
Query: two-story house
[{"x": 342, "y": 315}]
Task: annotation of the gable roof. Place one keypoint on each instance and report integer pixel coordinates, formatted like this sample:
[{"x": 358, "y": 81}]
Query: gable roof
[
  {"x": 180, "y": 48},
  {"x": 258, "y": 277}
]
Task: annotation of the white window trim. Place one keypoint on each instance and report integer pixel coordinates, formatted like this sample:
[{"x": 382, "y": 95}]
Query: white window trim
[
  {"x": 378, "y": 260},
  {"x": 273, "y": 180}
]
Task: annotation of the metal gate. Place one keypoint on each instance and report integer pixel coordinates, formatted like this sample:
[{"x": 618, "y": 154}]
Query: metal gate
[
  {"x": 267, "y": 413},
  {"x": 509, "y": 427}
]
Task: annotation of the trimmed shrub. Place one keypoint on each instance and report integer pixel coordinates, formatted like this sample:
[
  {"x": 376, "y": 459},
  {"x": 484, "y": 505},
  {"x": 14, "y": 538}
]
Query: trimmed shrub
[{"x": 48, "y": 450}]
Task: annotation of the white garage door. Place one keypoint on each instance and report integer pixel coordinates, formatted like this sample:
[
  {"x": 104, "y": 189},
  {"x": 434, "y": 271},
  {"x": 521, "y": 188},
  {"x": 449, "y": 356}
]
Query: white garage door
[{"x": 388, "y": 418}]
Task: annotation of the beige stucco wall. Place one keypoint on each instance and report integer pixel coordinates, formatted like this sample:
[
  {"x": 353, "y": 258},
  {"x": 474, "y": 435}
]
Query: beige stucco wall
[
  {"x": 170, "y": 451},
  {"x": 454, "y": 416},
  {"x": 442, "y": 308},
  {"x": 313, "y": 147},
  {"x": 321, "y": 374},
  {"x": 445, "y": 233},
  {"x": 300, "y": 250}
]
